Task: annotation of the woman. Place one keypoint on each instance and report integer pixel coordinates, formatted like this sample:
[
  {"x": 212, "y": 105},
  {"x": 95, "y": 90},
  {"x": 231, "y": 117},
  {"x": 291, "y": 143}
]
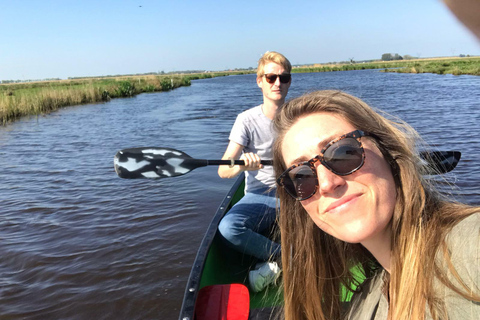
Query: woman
[{"x": 354, "y": 205}]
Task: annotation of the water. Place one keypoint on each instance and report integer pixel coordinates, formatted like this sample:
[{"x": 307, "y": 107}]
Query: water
[{"x": 77, "y": 242}]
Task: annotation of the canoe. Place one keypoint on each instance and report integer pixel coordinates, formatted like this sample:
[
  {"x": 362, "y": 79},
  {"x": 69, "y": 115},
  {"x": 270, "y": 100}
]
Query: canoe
[{"x": 216, "y": 266}]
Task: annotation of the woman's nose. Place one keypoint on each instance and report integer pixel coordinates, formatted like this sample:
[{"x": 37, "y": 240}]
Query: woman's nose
[{"x": 328, "y": 181}]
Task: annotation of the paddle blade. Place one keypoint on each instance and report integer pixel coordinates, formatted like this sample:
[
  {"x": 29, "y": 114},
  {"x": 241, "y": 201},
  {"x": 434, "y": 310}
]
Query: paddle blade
[
  {"x": 438, "y": 162},
  {"x": 153, "y": 163},
  {"x": 223, "y": 302}
]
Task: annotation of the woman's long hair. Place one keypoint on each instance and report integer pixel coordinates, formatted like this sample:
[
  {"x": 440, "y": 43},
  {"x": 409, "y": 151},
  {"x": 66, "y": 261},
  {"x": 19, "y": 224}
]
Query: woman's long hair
[{"x": 318, "y": 269}]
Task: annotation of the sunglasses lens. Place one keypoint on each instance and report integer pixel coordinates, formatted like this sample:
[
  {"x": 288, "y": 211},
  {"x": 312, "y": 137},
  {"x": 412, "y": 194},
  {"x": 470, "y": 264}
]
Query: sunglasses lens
[
  {"x": 344, "y": 156},
  {"x": 300, "y": 182},
  {"x": 285, "y": 78},
  {"x": 271, "y": 78}
]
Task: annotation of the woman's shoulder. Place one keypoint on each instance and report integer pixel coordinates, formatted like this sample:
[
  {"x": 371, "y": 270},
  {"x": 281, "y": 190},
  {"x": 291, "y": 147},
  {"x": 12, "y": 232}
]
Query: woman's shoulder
[
  {"x": 463, "y": 243},
  {"x": 466, "y": 233}
]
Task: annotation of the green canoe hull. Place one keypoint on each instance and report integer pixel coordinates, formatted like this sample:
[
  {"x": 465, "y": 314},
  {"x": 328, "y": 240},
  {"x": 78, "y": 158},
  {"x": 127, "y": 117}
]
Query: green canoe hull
[{"x": 216, "y": 264}]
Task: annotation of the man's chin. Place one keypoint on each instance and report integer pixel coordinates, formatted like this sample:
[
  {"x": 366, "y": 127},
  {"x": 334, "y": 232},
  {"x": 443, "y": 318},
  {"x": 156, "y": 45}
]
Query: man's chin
[{"x": 276, "y": 96}]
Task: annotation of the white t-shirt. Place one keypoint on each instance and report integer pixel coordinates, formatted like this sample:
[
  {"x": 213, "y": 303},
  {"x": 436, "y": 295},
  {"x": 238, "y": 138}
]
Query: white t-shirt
[{"x": 253, "y": 130}]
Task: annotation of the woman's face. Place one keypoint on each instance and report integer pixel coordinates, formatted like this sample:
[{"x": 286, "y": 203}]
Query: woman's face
[{"x": 356, "y": 208}]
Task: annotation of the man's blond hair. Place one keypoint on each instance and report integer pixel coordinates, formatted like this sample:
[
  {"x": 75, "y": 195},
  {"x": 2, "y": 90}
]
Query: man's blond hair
[{"x": 272, "y": 56}]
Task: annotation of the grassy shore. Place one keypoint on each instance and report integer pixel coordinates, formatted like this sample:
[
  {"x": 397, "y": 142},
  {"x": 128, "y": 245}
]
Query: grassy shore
[
  {"x": 33, "y": 98},
  {"x": 452, "y": 65},
  {"x": 467, "y": 66}
]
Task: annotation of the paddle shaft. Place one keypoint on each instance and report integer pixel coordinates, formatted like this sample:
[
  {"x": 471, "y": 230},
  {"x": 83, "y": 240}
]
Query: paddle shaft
[
  {"x": 436, "y": 158},
  {"x": 235, "y": 162}
]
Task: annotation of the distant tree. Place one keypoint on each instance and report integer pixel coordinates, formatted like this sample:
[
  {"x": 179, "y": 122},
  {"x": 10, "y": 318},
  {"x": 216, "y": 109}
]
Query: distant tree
[
  {"x": 390, "y": 57},
  {"x": 387, "y": 57},
  {"x": 408, "y": 57}
]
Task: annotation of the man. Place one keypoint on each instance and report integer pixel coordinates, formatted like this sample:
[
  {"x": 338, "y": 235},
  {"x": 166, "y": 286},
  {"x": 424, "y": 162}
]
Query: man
[{"x": 251, "y": 140}]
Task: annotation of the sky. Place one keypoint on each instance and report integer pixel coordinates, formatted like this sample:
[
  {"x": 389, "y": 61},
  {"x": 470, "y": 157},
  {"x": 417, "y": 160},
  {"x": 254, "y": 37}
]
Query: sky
[{"x": 61, "y": 39}]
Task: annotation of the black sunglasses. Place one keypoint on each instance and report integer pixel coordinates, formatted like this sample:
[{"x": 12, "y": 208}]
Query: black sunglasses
[
  {"x": 342, "y": 156},
  {"x": 272, "y": 77}
]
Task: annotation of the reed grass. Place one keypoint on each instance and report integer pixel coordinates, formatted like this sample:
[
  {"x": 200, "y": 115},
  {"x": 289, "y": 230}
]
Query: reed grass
[
  {"x": 34, "y": 98},
  {"x": 464, "y": 66},
  {"x": 455, "y": 66}
]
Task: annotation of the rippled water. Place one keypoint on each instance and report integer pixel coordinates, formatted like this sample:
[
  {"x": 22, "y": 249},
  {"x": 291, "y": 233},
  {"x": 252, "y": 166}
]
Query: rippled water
[{"x": 77, "y": 242}]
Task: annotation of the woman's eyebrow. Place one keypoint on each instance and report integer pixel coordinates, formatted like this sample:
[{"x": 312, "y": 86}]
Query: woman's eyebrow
[
  {"x": 298, "y": 160},
  {"x": 320, "y": 145}
]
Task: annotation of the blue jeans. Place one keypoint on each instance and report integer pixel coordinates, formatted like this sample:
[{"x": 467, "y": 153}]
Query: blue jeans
[{"x": 244, "y": 223}]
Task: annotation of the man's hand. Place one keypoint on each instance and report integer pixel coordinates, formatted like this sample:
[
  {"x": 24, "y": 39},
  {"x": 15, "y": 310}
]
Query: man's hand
[{"x": 252, "y": 161}]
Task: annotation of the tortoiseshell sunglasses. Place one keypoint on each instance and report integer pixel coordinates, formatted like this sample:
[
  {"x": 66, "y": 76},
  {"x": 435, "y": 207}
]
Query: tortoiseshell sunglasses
[{"x": 343, "y": 156}]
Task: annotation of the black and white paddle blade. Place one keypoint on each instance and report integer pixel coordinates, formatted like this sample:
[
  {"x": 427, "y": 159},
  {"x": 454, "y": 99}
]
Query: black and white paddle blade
[
  {"x": 439, "y": 162},
  {"x": 153, "y": 163}
]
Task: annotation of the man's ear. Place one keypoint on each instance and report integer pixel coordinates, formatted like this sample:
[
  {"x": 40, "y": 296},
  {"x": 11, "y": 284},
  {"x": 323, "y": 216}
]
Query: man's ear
[{"x": 259, "y": 81}]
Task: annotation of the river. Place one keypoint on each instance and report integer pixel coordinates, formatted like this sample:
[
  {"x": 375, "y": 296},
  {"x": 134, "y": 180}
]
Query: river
[{"x": 77, "y": 242}]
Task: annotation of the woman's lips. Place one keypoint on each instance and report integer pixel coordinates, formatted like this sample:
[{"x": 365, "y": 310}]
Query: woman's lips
[{"x": 343, "y": 201}]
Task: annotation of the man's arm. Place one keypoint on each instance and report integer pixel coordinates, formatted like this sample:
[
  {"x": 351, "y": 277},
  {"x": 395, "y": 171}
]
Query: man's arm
[{"x": 234, "y": 151}]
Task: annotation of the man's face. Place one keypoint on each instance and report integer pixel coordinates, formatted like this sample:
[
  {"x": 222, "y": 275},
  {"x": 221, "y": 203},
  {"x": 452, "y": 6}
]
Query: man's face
[{"x": 276, "y": 91}]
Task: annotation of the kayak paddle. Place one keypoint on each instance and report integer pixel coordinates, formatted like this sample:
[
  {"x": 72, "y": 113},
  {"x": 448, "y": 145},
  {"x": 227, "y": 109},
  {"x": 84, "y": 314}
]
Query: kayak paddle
[{"x": 156, "y": 162}]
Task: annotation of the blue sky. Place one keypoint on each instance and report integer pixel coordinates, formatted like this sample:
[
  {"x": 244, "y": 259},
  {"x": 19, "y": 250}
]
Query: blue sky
[{"x": 60, "y": 39}]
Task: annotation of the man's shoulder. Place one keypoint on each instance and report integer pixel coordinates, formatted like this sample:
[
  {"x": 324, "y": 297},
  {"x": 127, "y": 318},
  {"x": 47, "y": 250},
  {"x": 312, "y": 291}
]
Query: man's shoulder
[
  {"x": 251, "y": 112},
  {"x": 251, "y": 115}
]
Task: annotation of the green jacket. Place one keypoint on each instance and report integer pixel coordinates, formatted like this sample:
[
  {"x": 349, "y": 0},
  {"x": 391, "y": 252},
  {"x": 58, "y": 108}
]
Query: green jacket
[{"x": 464, "y": 245}]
